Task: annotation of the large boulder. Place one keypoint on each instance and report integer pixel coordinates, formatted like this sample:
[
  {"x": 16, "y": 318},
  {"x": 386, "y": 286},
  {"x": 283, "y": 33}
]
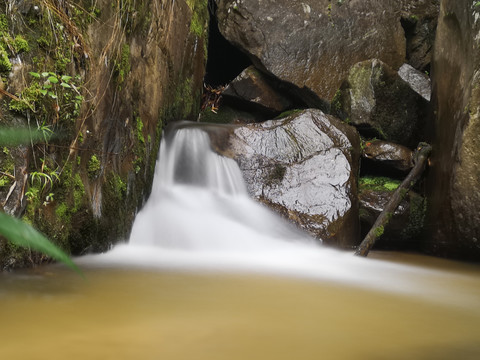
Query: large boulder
[
  {"x": 304, "y": 166},
  {"x": 377, "y": 100},
  {"x": 454, "y": 180},
  {"x": 313, "y": 44}
]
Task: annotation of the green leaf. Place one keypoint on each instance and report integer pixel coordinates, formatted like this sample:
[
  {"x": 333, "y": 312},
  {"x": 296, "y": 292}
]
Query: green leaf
[
  {"x": 22, "y": 234},
  {"x": 66, "y": 78},
  {"x": 45, "y": 74},
  {"x": 65, "y": 85},
  {"x": 47, "y": 86},
  {"x": 35, "y": 74},
  {"x": 53, "y": 79},
  {"x": 10, "y": 136},
  {"x": 43, "y": 92},
  {"x": 52, "y": 95}
]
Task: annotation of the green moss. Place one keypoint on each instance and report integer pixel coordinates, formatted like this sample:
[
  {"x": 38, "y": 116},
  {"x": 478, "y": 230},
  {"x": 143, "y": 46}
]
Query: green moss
[
  {"x": 61, "y": 211},
  {"x": 379, "y": 231},
  {"x": 3, "y": 23},
  {"x": 5, "y": 64},
  {"x": 20, "y": 44},
  {"x": 336, "y": 105},
  {"x": 93, "y": 168},
  {"x": 122, "y": 67},
  {"x": 140, "y": 136},
  {"x": 380, "y": 183},
  {"x": 119, "y": 187}
]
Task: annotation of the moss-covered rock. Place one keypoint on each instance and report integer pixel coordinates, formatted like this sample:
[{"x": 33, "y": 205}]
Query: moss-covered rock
[{"x": 377, "y": 101}]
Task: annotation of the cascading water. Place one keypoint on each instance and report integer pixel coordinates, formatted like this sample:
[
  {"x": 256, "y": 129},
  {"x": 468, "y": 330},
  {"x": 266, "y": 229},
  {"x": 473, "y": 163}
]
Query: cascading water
[
  {"x": 199, "y": 203},
  {"x": 199, "y": 216}
]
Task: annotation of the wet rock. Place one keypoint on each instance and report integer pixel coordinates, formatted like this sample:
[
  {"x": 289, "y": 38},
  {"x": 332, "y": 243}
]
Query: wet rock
[
  {"x": 419, "y": 20},
  {"x": 251, "y": 89},
  {"x": 406, "y": 224},
  {"x": 417, "y": 80},
  {"x": 454, "y": 177},
  {"x": 313, "y": 44},
  {"x": 389, "y": 154},
  {"x": 376, "y": 99},
  {"x": 304, "y": 166}
]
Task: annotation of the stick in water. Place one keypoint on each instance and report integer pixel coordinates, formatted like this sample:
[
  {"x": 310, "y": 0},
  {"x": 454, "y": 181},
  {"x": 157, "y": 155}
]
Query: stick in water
[{"x": 420, "y": 158}]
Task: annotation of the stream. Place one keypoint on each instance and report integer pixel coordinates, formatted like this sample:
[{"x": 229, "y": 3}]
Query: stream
[{"x": 208, "y": 273}]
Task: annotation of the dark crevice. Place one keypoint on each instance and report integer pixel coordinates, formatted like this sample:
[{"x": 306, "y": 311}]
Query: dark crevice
[{"x": 225, "y": 62}]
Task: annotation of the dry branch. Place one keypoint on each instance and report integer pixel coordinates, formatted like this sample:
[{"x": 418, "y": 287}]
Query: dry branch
[{"x": 420, "y": 158}]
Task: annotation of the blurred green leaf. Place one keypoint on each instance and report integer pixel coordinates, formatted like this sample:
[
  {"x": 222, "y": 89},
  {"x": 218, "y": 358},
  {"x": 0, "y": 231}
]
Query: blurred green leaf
[
  {"x": 10, "y": 136},
  {"x": 22, "y": 234}
]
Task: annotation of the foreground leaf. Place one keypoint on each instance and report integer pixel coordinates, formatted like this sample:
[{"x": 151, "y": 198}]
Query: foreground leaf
[
  {"x": 22, "y": 234},
  {"x": 10, "y": 136}
]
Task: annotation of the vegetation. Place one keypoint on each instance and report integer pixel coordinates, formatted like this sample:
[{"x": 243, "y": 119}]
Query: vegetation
[
  {"x": 20, "y": 233},
  {"x": 380, "y": 183}
]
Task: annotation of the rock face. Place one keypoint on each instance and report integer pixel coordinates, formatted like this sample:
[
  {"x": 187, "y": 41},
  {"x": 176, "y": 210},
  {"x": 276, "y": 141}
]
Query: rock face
[
  {"x": 304, "y": 167},
  {"x": 313, "y": 44},
  {"x": 375, "y": 99},
  {"x": 116, "y": 73},
  {"x": 454, "y": 181},
  {"x": 251, "y": 89}
]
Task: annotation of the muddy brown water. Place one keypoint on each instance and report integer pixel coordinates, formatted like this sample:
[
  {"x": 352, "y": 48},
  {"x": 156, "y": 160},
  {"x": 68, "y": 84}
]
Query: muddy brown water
[{"x": 145, "y": 313}]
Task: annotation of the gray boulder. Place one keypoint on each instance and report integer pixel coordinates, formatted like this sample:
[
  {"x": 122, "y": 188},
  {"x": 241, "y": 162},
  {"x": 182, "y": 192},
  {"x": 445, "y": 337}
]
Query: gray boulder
[
  {"x": 376, "y": 99},
  {"x": 304, "y": 166}
]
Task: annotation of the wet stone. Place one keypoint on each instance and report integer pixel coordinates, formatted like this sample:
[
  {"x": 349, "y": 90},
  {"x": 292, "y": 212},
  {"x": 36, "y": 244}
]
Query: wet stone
[
  {"x": 304, "y": 167},
  {"x": 389, "y": 154}
]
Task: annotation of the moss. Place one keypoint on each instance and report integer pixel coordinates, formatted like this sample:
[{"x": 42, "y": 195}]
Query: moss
[
  {"x": 199, "y": 21},
  {"x": 93, "y": 167},
  {"x": 119, "y": 187},
  {"x": 61, "y": 211},
  {"x": 5, "y": 64},
  {"x": 380, "y": 183},
  {"x": 3, "y": 23},
  {"x": 122, "y": 67},
  {"x": 140, "y": 136},
  {"x": 20, "y": 44},
  {"x": 379, "y": 230},
  {"x": 416, "y": 217}
]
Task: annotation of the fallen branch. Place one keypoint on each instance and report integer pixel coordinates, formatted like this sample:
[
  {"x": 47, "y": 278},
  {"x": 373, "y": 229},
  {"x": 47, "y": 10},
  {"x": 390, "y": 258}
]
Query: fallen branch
[{"x": 420, "y": 158}]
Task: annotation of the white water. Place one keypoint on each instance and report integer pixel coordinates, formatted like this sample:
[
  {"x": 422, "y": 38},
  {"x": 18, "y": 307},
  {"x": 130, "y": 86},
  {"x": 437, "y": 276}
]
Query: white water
[{"x": 199, "y": 217}]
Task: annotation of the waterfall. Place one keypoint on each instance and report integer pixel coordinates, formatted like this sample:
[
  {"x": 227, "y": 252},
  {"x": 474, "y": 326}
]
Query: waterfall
[
  {"x": 199, "y": 202},
  {"x": 200, "y": 217}
]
